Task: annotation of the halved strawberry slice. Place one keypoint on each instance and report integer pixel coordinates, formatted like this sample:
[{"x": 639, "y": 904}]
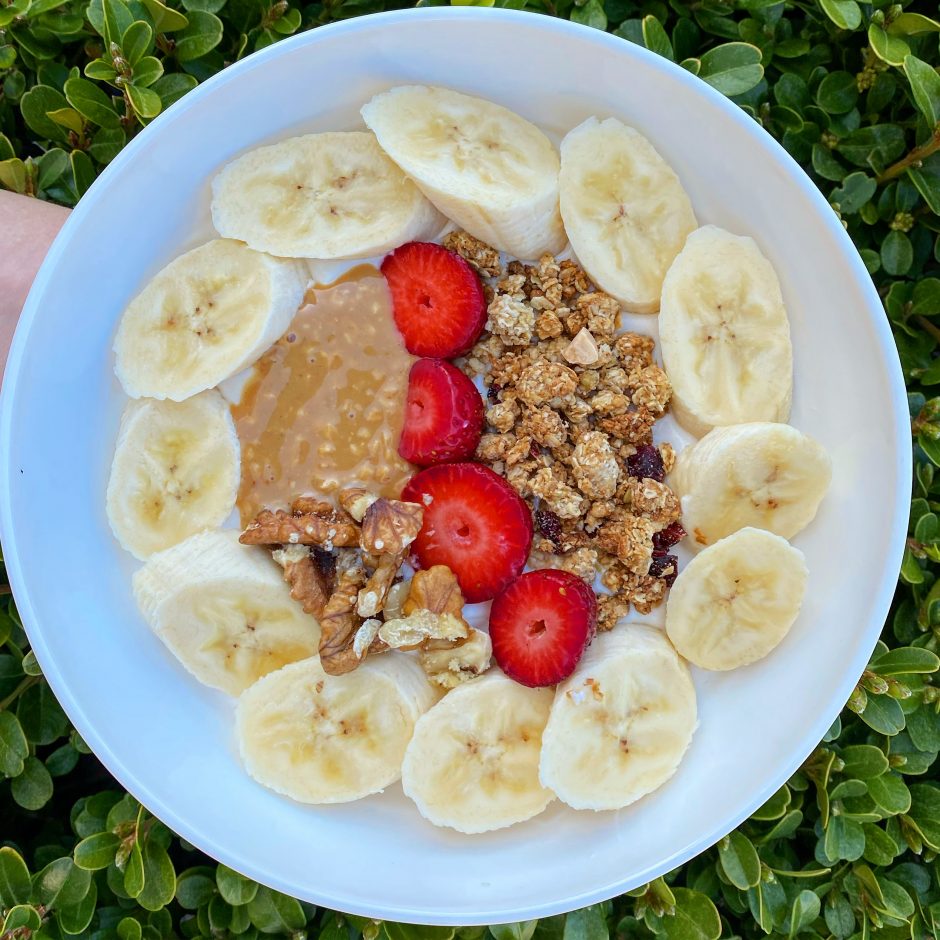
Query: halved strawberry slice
[
  {"x": 443, "y": 414},
  {"x": 474, "y": 522},
  {"x": 437, "y": 299},
  {"x": 541, "y": 625}
]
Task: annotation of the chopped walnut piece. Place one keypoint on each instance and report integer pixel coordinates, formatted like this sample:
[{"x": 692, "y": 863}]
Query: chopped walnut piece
[
  {"x": 408, "y": 633},
  {"x": 542, "y": 381},
  {"x": 283, "y": 528},
  {"x": 372, "y": 596},
  {"x": 308, "y": 583},
  {"x": 447, "y": 664},
  {"x": 364, "y": 641},
  {"x": 390, "y": 526},
  {"x": 395, "y": 599},
  {"x": 477, "y": 254},
  {"x": 339, "y": 622},
  {"x": 595, "y": 466},
  {"x": 310, "y": 504},
  {"x": 435, "y": 589},
  {"x": 356, "y": 501},
  {"x": 582, "y": 350}
]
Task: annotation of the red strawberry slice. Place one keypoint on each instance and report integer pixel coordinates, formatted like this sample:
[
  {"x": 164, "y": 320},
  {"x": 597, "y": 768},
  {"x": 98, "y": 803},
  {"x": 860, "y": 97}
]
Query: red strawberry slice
[
  {"x": 437, "y": 299},
  {"x": 541, "y": 625},
  {"x": 474, "y": 522},
  {"x": 443, "y": 414}
]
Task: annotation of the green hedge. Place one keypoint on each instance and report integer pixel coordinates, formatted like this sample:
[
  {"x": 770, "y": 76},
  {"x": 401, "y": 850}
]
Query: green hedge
[{"x": 848, "y": 847}]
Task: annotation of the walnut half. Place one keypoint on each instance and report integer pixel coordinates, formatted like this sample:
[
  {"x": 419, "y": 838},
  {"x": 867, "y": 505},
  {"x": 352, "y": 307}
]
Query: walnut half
[{"x": 389, "y": 526}]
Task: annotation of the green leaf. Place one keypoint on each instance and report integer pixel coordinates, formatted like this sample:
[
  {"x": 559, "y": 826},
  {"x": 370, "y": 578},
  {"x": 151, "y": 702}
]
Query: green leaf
[
  {"x": 890, "y": 793},
  {"x": 880, "y": 848},
  {"x": 235, "y": 888},
  {"x": 35, "y": 106},
  {"x": 733, "y": 68},
  {"x": 23, "y": 918},
  {"x": 195, "y": 887},
  {"x": 75, "y": 918},
  {"x": 695, "y": 918},
  {"x": 739, "y": 860},
  {"x": 924, "y": 811},
  {"x": 68, "y": 118},
  {"x": 519, "y": 931},
  {"x": 202, "y": 35},
  {"x": 857, "y": 188},
  {"x": 874, "y": 147},
  {"x": 159, "y": 878},
  {"x": 907, "y": 660},
  {"x": 925, "y": 86},
  {"x": 890, "y": 49},
  {"x": 897, "y": 253},
  {"x": 64, "y": 759},
  {"x": 7, "y": 56},
  {"x": 803, "y": 911},
  {"x": 913, "y": 24},
  {"x": 839, "y": 916},
  {"x": 863, "y": 761},
  {"x": 171, "y": 88},
  {"x": 587, "y": 924},
  {"x": 107, "y": 144},
  {"x": 136, "y": 41},
  {"x": 6, "y": 152},
  {"x": 655, "y": 38},
  {"x": 883, "y": 714},
  {"x": 101, "y": 70},
  {"x": 166, "y": 19},
  {"x": 591, "y": 14},
  {"x": 926, "y": 178},
  {"x": 15, "y": 886},
  {"x": 923, "y": 726},
  {"x": 91, "y": 102},
  {"x": 147, "y": 71},
  {"x": 117, "y": 19},
  {"x": 843, "y": 839},
  {"x": 13, "y": 746},
  {"x": 96, "y": 851},
  {"x": 61, "y": 882},
  {"x": 145, "y": 101},
  {"x": 837, "y": 93},
  {"x": 129, "y": 929},
  {"x": 32, "y": 789},
  {"x": 134, "y": 873},
  {"x": 844, "y": 13}
]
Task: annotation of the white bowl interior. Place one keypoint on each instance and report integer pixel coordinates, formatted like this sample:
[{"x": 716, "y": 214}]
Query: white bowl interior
[{"x": 170, "y": 741}]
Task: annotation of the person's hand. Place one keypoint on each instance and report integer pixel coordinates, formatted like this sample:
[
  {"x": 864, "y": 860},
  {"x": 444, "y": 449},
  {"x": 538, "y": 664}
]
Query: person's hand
[{"x": 27, "y": 228}]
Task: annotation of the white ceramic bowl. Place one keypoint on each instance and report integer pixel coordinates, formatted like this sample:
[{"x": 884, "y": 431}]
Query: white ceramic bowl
[{"x": 170, "y": 742}]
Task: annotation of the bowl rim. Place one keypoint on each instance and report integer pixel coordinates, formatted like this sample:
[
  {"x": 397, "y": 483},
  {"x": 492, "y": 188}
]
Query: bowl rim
[{"x": 612, "y": 886}]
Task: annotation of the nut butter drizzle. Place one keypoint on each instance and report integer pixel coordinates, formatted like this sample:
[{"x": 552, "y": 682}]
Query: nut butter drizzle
[{"x": 324, "y": 407}]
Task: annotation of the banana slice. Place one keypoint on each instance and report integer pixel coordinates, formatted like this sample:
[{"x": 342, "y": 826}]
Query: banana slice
[
  {"x": 485, "y": 167},
  {"x": 736, "y": 600},
  {"x": 621, "y": 723},
  {"x": 473, "y": 762},
  {"x": 224, "y": 610},
  {"x": 625, "y": 211},
  {"x": 322, "y": 196},
  {"x": 765, "y": 475},
  {"x": 207, "y": 315},
  {"x": 724, "y": 334},
  {"x": 330, "y": 739},
  {"x": 175, "y": 471}
]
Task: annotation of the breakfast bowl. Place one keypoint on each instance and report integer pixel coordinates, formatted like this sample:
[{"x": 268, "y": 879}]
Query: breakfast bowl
[{"x": 170, "y": 741}]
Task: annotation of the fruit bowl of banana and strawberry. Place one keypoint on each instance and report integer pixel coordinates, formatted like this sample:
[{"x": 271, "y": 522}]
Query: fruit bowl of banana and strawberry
[{"x": 371, "y": 633}]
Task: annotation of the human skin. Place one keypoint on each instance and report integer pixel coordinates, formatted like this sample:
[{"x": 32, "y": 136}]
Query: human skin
[{"x": 27, "y": 229}]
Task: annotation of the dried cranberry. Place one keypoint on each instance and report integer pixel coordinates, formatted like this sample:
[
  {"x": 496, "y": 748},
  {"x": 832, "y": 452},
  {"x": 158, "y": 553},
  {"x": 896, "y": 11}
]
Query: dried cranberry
[
  {"x": 492, "y": 393},
  {"x": 664, "y": 540},
  {"x": 549, "y": 525},
  {"x": 647, "y": 463},
  {"x": 665, "y": 567}
]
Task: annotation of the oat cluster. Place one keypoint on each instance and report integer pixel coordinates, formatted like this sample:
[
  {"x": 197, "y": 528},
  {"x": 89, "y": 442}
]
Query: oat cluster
[{"x": 572, "y": 407}]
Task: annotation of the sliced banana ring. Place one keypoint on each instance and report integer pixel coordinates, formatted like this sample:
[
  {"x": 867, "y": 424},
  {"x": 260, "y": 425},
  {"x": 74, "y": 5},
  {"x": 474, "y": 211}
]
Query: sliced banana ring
[
  {"x": 322, "y": 196},
  {"x": 175, "y": 471},
  {"x": 224, "y": 610},
  {"x": 486, "y": 168},
  {"x": 765, "y": 475},
  {"x": 736, "y": 600},
  {"x": 330, "y": 739},
  {"x": 625, "y": 210},
  {"x": 724, "y": 334},
  {"x": 207, "y": 315},
  {"x": 473, "y": 762},
  {"x": 621, "y": 723}
]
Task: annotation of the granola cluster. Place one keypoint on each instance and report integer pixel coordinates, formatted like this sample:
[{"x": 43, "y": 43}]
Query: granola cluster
[
  {"x": 570, "y": 420},
  {"x": 344, "y": 565}
]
